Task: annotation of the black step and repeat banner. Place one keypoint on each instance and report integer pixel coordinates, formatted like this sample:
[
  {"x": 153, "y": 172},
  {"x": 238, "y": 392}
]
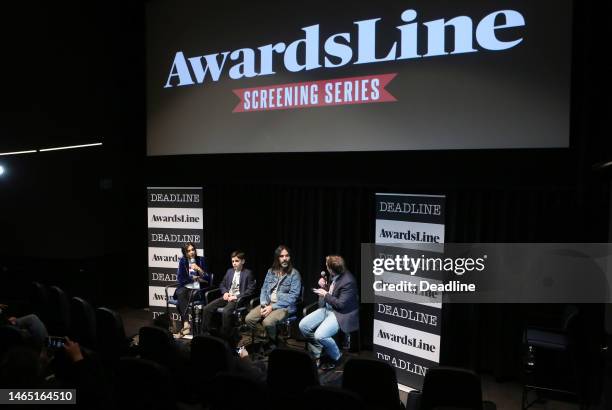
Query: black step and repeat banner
[
  {"x": 407, "y": 330},
  {"x": 175, "y": 217}
]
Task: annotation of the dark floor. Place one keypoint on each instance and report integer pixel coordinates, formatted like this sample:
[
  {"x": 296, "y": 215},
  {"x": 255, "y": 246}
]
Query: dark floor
[{"x": 507, "y": 396}]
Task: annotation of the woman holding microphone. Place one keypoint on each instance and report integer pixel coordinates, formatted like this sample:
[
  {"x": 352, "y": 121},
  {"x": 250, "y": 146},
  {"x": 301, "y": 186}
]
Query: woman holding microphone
[{"x": 190, "y": 270}]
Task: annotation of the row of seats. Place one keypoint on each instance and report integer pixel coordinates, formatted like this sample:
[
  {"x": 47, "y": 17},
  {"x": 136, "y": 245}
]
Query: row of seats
[
  {"x": 99, "y": 329},
  {"x": 291, "y": 380},
  {"x": 229, "y": 390},
  {"x": 209, "y": 370}
]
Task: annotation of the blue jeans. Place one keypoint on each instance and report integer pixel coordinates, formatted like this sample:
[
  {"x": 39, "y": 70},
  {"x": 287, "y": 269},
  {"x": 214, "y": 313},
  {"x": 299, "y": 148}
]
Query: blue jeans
[{"x": 319, "y": 327}]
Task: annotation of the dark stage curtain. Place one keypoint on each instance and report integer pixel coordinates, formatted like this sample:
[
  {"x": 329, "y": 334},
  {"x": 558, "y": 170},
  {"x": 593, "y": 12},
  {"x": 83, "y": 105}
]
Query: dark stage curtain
[{"x": 315, "y": 221}]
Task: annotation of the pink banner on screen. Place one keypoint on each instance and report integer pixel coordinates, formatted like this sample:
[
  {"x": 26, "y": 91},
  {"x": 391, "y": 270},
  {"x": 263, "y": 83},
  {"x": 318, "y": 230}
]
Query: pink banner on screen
[{"x": 340, "y": 91}]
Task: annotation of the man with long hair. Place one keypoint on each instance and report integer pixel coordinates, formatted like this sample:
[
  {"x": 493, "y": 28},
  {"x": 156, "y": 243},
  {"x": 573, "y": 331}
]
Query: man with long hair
[{"x": 279, "y": 296}]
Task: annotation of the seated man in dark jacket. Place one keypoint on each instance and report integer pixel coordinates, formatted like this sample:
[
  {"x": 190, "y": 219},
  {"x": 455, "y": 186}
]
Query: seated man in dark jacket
[
  {"x": 238, "y": 283},
  {"x": 338, "y": 310}
]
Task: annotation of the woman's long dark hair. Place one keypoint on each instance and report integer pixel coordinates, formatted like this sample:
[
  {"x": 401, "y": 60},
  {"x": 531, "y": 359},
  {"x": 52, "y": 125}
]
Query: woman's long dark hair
[
  {"x": 186, "y": 246},
  {"x": 276, "y": 266}
]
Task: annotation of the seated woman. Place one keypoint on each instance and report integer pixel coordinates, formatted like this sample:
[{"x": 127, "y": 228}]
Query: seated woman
[{"x": 190, "y": 270}]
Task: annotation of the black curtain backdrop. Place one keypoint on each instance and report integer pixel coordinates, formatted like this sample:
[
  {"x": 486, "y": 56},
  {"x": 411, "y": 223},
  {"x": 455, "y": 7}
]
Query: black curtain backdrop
[{"x": 319, "y": 204}]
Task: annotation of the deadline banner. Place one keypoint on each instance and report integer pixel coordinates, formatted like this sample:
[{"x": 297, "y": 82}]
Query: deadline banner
[
  {"x": 407, "y": 331},
  {"x": 175, "y": 216}
]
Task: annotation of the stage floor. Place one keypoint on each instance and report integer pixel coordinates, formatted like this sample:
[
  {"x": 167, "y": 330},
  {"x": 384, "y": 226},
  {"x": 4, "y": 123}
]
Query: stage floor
[{"x": 507, "y": 396}]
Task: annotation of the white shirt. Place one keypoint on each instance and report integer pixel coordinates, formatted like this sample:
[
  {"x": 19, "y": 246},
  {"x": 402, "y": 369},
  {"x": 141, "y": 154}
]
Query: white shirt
[{"x": 235, "y": 288}]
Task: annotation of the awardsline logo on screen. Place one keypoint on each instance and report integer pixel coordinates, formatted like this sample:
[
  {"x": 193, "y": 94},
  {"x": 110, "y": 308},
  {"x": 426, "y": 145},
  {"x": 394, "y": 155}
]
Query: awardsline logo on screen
[{"x": 340, "y": 49}]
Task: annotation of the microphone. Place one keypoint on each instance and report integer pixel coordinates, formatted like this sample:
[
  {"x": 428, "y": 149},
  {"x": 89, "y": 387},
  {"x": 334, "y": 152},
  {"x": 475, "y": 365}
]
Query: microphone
[
  {"x": 191, "y": 270},
  {"x": 324, "y": 275}
]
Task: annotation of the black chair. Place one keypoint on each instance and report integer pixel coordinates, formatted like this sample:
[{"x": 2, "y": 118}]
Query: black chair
[
  {"x": 20, "y": 369},
  {"x": 210, "y": 355},
  {"x": 10, "y": 337},
  {"x": 374, "y": 381},
  {"x": 196, "y": 302},
  {"x": 290, "y": 372},
  {"x": 331, "y": 398},
  {"x": 39, "y": 300},
  {"x": 156, "y": 344},
  {"x": 83, "y": 322},
  {"x": 112, "y": 341},
  {"x": 551, "y": 358},
  {"x": 289, "y": 322},
  {"x": 230, "y": 391},
  {"x": 241, "y": 309},
  {"x": 59, "y": 312},
  {"x": 350, "y": 341},
  {"x": 449, "y": 387},
  {"x": 136, "y": 385}
]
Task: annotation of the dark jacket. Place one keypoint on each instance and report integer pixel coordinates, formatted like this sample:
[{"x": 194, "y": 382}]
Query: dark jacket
[
  {"x": 248, "y": 284},
  {"x": 182, "y": 273},
  {"x": 345, "y": 302}
]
